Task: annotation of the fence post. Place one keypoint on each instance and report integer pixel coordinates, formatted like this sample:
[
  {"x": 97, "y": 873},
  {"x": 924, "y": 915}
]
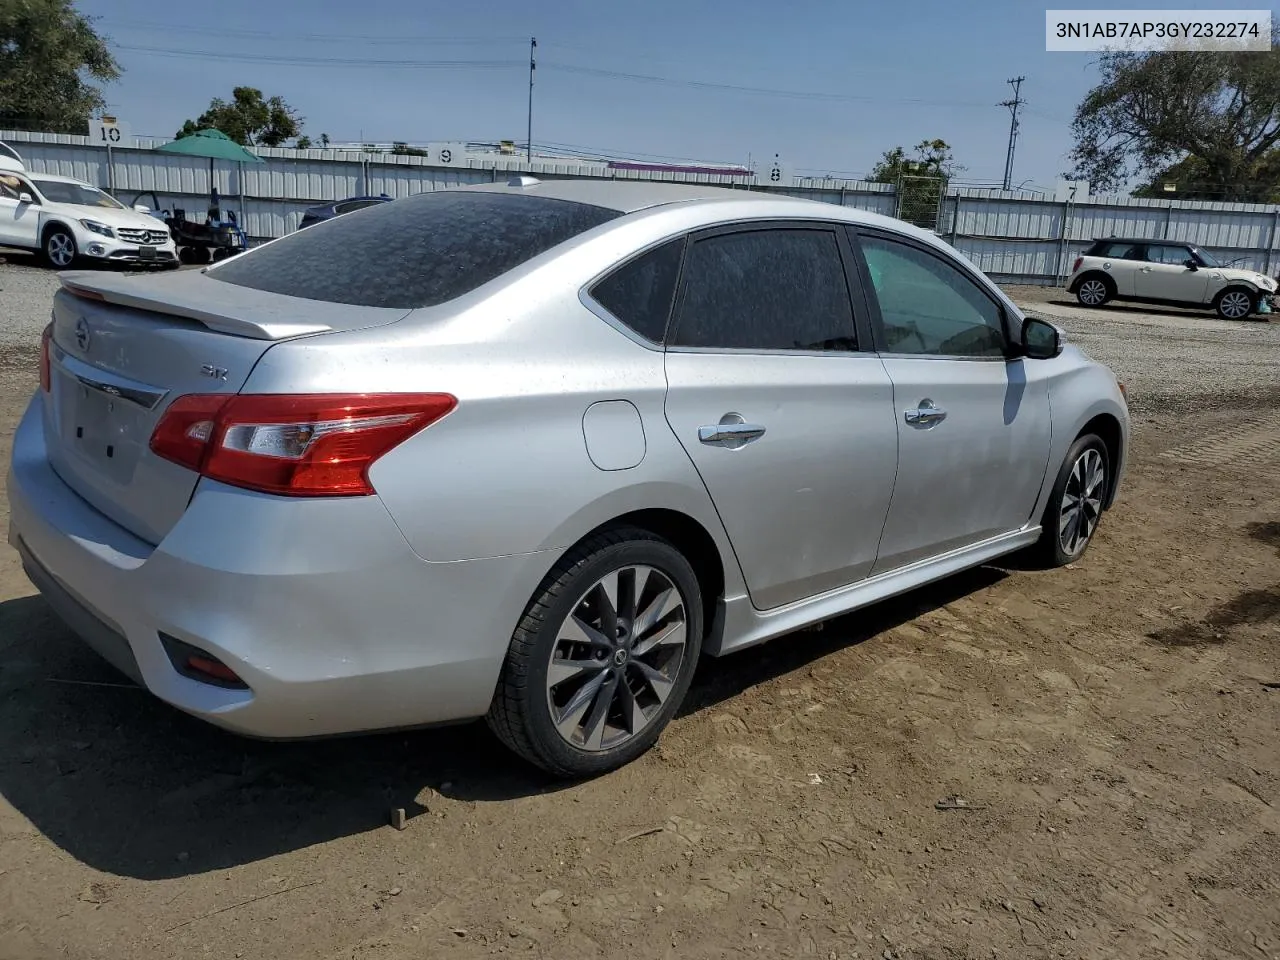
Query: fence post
[
  {"x": 111, "y": 171},
  {"x": 955, "y": 218},
  {"x": 1168, "y": 215},
  {"x": 1271, "y": 240},
  {"x": 1065, "y": 235}
]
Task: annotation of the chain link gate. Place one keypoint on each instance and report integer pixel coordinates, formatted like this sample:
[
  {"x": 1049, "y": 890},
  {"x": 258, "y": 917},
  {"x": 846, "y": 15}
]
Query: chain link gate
[{"x": 920, "y": 200}]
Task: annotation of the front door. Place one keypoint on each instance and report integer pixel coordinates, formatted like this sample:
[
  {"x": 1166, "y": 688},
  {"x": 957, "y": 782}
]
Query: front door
[
  {"x": 973, "y": 426},
  {"x": 1166, "y": 276},
  {"x": 788, "y": 422}
]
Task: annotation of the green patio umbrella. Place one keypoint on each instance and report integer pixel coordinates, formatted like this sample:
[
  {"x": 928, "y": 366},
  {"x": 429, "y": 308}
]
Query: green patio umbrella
[{"x": 213, "y": 144}]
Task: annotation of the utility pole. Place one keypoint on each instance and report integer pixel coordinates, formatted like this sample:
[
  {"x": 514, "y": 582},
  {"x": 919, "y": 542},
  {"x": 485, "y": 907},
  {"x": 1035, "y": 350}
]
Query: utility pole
[
  {"x": 1013, "y": 106},
  {"x": 533, "y": 45}
]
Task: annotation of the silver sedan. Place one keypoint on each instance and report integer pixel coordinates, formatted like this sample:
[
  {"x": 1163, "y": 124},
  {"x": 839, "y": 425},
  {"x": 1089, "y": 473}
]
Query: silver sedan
[{"x": 526, "y": 451}]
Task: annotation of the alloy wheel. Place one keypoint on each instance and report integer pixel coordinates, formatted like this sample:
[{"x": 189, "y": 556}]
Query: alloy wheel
[
  {"x": 1082, "y": 502},
  {"x": 1235, "y": 304},
  {"x": 1093, "y": 292},
  {"x": 62, "y": 250},
  {"x": 617, "y": 658}
]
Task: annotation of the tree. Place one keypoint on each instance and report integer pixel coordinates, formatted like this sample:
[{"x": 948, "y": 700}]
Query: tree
[
  {"x": 324, "y": 140},
  {"x": 921, "y": 179},
  {"x": 249, "y": 119},
  {"x": 932, "y": 158},
  {"x": 1207, "y": 120},
  {"x": 47, "y": 50},
  {"x": 302, "y": 143}
]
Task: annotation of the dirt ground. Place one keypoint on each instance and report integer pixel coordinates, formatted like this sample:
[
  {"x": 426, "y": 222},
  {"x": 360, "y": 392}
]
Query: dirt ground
[{"x": 1112, "y": 726}]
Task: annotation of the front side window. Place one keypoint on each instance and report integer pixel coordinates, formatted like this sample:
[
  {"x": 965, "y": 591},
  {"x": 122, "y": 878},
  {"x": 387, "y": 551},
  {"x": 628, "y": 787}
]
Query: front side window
[
  {"x": 1173, "y": 256},
  {"x": 11, "y": 187},
  {"x": 639, "y": 293},
  {"x": 928, "y": 306},
  {"x": 59, "y": 191},
  {"x": 775, "y": 289}
]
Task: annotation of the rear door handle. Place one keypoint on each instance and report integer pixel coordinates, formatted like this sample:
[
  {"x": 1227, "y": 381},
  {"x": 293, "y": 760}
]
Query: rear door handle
[
  {"x": 925, "y": 415},
  {"x": 731, "y": 432}
]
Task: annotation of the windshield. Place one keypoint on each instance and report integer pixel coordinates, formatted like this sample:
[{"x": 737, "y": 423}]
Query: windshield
[
  {"x": 59, "y": 191},
  {"x": 1205, "y": 257}
]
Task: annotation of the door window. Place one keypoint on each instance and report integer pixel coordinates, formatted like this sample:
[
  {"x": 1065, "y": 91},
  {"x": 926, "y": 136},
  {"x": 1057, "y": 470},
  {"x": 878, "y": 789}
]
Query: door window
[
  {"x": 767, "y": 290},
  {"x": 1174, "y": 256},
  {"x": 929, "y": 307},
  {"x": 11, "y": 187}
]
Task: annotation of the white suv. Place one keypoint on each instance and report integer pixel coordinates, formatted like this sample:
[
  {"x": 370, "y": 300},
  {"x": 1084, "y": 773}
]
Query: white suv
[
  {"x": 68, "y": 219},
  {"x": 1167, "y": 272}
]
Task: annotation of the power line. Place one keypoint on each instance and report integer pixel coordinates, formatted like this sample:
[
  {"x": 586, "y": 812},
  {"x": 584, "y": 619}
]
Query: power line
[
  {"x": 285, "y": 60},
  {"x": 758, "y": 91},
  {"x": 1013, "y": 106},
  {"x": 233, "y": 33}
]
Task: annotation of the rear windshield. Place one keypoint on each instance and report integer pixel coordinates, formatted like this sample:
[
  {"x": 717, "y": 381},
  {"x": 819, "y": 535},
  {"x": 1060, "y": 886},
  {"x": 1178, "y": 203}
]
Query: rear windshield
[{"x": 420, "y": 251}]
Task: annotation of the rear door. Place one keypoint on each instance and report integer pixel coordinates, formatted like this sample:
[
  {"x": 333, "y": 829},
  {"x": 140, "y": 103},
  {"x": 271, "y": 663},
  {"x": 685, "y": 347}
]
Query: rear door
[
  {"x": 19, "y": 222},
  {"x": 787, "y": 420},
  {"x": 973, "y": 425}
]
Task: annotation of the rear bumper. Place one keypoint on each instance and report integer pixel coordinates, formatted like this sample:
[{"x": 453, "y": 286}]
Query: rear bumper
[{"x": 319, "y": 605}]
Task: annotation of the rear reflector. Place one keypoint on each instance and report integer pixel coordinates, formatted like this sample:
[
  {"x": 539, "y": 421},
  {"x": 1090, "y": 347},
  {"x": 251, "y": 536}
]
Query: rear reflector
[
  {"x": 45, "y": 376},
  {"x": 311, "y": 445},
  {"x": 1076, "y": 266},
  {"x": 197, "y": 664}
]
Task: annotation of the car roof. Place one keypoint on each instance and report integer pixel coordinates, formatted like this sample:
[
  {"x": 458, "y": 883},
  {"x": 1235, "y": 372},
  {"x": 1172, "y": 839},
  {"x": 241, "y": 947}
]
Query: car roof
[
  {"x": 1147, "y": 240},
  {"x": 631, "y": 196},
  {"x": 55, "y": 178}
]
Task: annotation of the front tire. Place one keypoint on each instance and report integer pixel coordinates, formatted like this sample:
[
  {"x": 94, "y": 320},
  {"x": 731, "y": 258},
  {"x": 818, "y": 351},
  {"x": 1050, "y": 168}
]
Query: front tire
[
  {"x": 1074, "y": 510},
  {"x": 60, "y": 248},
  {"x": 602, "y": 657},
  {"x": 1234, "y": 304}
]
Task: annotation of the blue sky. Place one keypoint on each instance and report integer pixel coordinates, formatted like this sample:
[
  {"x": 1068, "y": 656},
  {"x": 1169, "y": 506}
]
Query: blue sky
[{"x": 925, "y": 69}]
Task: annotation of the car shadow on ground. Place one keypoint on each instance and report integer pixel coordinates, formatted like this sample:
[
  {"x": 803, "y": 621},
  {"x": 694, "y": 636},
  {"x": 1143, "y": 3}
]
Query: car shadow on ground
[
  {"x": 130, "y": 786},
  {"x": 1156, "y": 310}
]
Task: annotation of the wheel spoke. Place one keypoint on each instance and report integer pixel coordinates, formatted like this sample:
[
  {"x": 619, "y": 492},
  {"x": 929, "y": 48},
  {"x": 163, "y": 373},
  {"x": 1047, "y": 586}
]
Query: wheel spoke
[
  {"x": 655, "y": 680},
  {"x": 577, "y": 630},
  {"x": 632, "y": 712},
  {"x": 569, "y": 718},
  {"x": 593, "y": 726},
  {"x": 662, "y": 605},
  {"x": 671, "y": 636},
  {"x": 563, "y": 668},
  {"x": 607, "y": 597},
  {"x": 1065, "y": 520}
]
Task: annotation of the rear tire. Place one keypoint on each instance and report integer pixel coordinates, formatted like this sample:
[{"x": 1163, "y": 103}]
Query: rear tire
[
  {"x": 602, "y": 657},
  {"x": 1074, "y": 510},
  {"x": 1234, "y": 303},
  {"x": 59, "y": 248},
  {"x": 1094, "y": 291}
]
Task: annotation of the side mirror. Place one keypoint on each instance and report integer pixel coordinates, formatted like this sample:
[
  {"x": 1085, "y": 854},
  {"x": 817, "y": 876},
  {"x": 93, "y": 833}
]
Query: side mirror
[
  {"x": 1191, "y": 265},
  {"x": 142, "y": 208},
  {"x": 1040, "y": 340},
  {"x": 26, "y": 198}
]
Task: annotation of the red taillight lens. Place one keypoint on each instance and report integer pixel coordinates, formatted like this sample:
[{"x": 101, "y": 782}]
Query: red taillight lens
[
  {"x": 46, "y": 378},
  {"x": 1079, "y": 260},
  {"x": 316, "y": 445}
]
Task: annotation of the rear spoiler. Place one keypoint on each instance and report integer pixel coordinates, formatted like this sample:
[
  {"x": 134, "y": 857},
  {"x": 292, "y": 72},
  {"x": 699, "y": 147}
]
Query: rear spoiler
[{"x": 223, "y": 307}]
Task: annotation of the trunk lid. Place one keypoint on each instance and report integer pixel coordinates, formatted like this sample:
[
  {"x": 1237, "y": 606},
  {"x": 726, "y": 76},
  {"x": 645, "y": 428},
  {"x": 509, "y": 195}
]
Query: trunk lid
[{"x": 124, "y": 347}]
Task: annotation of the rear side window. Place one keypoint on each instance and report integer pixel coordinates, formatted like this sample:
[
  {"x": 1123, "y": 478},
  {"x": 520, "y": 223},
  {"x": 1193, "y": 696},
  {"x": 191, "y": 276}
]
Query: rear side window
[
  {"x": 639, "y": 293},
  {"x": 1116, "y": 250},
  {"x": 774, "y": 289},
  {"x": 417, "y": 252}
]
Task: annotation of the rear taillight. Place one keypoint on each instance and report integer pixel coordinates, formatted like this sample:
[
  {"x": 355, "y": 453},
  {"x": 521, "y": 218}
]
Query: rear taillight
[
  {"x": 316, "y": 445},
  {"x": 46, "y": 378},
  {"x": 1079, "y": 260}
]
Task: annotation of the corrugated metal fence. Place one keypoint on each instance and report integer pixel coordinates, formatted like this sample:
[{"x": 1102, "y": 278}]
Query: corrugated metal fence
[{"x": 1015, "y": 237}]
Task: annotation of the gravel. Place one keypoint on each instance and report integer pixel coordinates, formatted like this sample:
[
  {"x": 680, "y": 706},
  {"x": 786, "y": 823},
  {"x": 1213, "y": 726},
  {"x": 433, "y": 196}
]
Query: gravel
[
  {"x": 26, "y": 296},
  {"x": 1170, "y": 359}
]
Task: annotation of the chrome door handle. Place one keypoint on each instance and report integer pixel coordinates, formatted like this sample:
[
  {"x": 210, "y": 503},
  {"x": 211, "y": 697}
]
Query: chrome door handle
[
  {"x": 730, "y": 432},
  {"x": 925, "y": 415}
]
